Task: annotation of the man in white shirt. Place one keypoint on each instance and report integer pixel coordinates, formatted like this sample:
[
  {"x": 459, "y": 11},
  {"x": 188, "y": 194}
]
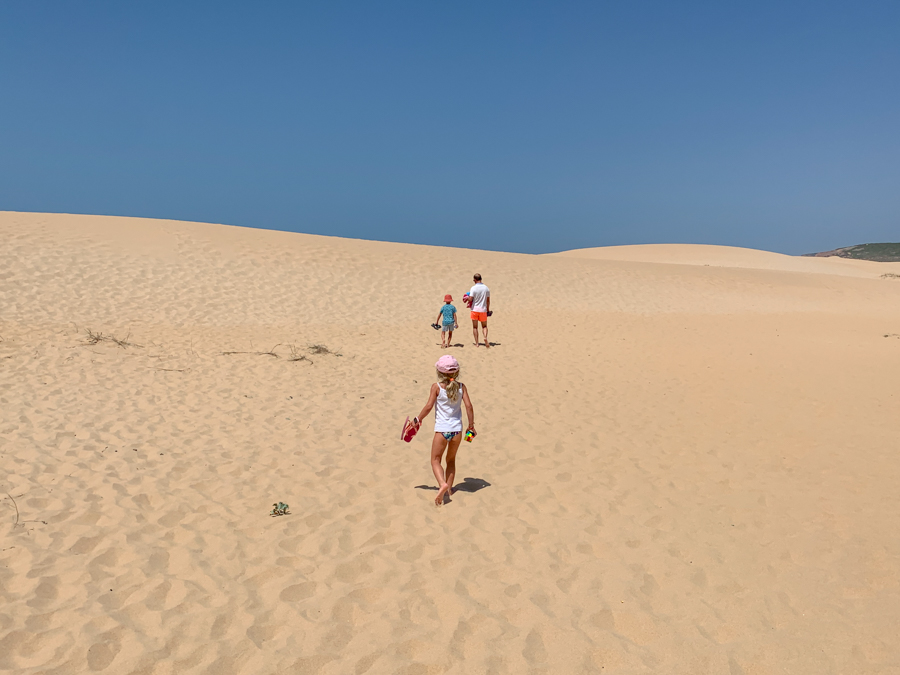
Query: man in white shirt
[{"x": 481, "y": 307}]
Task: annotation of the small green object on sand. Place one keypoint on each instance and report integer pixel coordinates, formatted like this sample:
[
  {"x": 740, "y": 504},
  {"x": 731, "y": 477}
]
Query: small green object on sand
[{"x": 281, "y": 509}]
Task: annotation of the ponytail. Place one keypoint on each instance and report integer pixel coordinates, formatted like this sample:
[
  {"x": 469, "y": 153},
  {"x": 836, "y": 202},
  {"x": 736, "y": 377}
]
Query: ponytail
[{"x": 451, "y": 384}]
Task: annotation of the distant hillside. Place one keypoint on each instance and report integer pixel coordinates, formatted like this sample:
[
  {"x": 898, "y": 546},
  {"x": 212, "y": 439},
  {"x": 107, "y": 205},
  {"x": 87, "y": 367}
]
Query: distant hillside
[{"x": 876, "y": 252}]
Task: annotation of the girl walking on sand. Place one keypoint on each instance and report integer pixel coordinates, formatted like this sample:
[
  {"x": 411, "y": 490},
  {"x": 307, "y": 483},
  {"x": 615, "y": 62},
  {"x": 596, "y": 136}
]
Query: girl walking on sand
[{"x": 447, "y": 396}]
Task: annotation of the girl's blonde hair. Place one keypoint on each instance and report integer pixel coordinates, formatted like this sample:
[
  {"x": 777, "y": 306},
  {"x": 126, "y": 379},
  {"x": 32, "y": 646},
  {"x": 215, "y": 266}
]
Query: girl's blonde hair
[{"x": 451, "y": 384}]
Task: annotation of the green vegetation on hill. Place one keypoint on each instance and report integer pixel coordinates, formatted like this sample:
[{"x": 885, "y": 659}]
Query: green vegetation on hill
[{"x": 876, "y": 252}]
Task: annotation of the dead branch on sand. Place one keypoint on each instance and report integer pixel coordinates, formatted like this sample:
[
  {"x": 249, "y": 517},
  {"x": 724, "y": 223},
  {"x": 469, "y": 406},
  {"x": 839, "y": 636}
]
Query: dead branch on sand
[
  {"x": 297, "y": 356},
  {"x": 321, "y": 349},
  {"x": 271, "y": 352},
  {"x": 17, "y": 509},
  {"x": 93, "y": 338}
]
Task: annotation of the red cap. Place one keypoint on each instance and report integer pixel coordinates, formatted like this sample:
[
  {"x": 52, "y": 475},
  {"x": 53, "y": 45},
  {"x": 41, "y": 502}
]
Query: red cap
[{"x": 448, "y": 298}]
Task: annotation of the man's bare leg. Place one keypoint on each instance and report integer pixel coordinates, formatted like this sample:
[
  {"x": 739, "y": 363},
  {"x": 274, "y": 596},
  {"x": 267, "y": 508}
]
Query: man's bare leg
[
  {"x": 438, "y": 445},
  {"x": 451, "y": 462},
  {"x": 475, "y": 331},
  {"x": 484, "y": 330}
]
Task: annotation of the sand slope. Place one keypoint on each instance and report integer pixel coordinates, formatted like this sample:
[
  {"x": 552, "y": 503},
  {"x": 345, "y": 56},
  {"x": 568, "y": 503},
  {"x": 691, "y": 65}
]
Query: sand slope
[
  {"x": 680, "y": 468},
  {"x": 729, "y": 256}
]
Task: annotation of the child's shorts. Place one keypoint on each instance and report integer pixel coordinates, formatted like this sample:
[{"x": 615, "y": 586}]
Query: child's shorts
[{"x": 447, "y": 327}]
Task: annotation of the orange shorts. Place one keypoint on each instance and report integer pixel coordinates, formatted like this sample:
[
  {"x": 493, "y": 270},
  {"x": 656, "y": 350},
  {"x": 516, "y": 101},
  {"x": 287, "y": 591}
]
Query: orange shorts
[{"x": 479, "y": 316}]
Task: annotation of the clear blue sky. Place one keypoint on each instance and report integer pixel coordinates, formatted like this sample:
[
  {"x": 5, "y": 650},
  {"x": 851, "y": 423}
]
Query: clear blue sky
[{"x": 518, "y": 126}]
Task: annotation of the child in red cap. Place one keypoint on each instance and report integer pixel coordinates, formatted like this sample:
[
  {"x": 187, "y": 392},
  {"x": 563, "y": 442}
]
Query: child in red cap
[{"x": 447, "y": 318}]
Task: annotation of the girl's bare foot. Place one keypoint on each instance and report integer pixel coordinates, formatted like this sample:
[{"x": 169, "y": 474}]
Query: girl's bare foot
[{"x": 439, "y": 500}]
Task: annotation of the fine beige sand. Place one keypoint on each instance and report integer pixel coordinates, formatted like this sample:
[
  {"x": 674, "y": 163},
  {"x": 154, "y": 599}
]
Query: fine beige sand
[
  {"x": 686, "y": 460},
  {"x": 727, "y": 256}
]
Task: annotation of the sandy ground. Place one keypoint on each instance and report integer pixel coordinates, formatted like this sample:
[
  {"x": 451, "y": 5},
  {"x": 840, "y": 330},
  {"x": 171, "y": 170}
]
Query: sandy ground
[
  {"x": 680, "y": 468},
  {"x": 727, "y": 256}
]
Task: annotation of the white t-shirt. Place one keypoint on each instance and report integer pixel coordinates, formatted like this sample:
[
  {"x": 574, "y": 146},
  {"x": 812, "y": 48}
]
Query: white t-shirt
[{"x": 479, "y": 294}]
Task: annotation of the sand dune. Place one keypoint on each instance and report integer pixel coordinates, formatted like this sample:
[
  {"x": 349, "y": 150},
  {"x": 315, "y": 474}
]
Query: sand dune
[
  {"x": 729, "y": 256},
  {"x": 679, "y": 468}
]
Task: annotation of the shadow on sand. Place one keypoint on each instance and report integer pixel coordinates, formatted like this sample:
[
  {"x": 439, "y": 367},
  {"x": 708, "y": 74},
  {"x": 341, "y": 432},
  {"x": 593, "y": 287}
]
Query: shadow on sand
[{"x": 468, "y": 485}]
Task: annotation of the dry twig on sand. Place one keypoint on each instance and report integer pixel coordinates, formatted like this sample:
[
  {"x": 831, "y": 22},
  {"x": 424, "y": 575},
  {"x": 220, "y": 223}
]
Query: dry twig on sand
[
  {"x": 297, "y": 356},
  {"x": 271, "y": 352},
  {"x": 93, "y": 338},
  {"x": 17, "y": 509},
  {"x": 173, "y": 370},
  {"x": 321, "y": 349}
]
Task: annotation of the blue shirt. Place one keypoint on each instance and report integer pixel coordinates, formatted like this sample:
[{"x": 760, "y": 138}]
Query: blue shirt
[{"x": 447, "y": 311}]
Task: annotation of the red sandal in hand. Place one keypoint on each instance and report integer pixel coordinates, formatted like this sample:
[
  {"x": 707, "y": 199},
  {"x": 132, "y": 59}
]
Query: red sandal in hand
[{"x": 410, "y": 429}]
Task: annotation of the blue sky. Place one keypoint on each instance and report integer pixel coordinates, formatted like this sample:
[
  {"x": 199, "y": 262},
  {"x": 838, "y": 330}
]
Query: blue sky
[{"x": 518, "y": 126}]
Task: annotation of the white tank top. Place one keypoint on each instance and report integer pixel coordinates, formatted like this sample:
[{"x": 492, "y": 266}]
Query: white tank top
[{"x": 447, "y": 413}]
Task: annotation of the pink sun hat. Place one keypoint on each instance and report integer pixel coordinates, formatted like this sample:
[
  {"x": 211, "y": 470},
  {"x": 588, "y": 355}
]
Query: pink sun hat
[{"x": 447, "y": 364}]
